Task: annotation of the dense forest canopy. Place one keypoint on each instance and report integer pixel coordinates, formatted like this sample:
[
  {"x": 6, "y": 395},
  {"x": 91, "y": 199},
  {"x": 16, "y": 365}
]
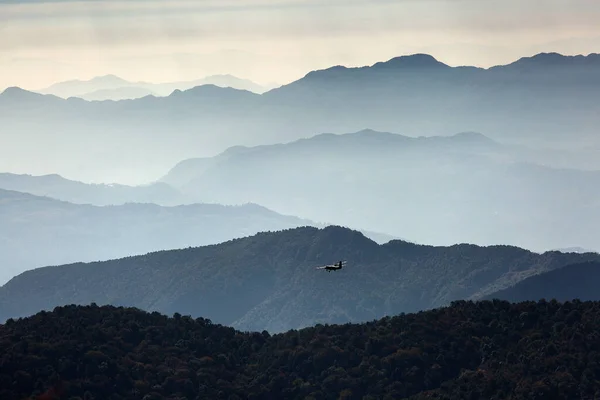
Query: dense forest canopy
[{"x": 469, "y": 350}]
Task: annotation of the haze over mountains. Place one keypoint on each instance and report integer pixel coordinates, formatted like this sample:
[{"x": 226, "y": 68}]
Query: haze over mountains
[
  {"x": 434, "y": 190},
  {"x": 66, "y": 221},
  {"x": 169, "y": 219},
  {"x": 268, "y": 281},
  {"x": 547, "y": 100},
  {"x": 39, "y": 231},
  {"x": 473, "y": 162},
  {"x": 111, "y": 87},
  {"x": 57, "y": 187}
]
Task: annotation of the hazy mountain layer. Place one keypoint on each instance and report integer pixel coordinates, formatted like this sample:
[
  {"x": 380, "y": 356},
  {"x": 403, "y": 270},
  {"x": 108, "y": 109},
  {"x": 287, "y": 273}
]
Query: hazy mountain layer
[
  {"x": 59, "y": 188},
  {"x": 438, "y": 190},
  {"x": 110, "y": 87},
  {"x": 38, "y": 231},
  {"x": 547, "y": 99},
  {"x": 269, "y": 281},
  {"x": 62, "y": 232}
]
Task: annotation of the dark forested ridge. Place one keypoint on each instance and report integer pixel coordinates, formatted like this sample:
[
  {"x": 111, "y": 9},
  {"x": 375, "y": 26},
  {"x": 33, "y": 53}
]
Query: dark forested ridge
[
  {"x": 579, "y": 281},
  {"x": 469, "y": 350},
  {"x": 268, "y": 281}
]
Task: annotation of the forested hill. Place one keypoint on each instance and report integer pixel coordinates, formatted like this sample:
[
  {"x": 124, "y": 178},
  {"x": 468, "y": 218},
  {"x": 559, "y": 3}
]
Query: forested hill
[
  {"x": 579, "y": 281},
  {"x": 269, "y": 281},
  {"x": 484, "y": 350}
]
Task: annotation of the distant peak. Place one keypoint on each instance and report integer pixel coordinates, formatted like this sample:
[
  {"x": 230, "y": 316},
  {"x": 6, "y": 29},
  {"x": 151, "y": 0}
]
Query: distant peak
[
  {"x": 411, "y": 61},
  {"x": 209, "y": 89},
  {"x": 13, "y": 89},
  {"x": 367, "y": 131},
  {"x": 16, "y": 92},
  {"x": 556, "y": 59},
  {"x": 109, "y": 78},
  {"x": 472, "y": 136}
]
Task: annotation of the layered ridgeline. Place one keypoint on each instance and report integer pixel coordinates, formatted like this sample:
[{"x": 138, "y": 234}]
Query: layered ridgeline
[
  {"x": 548, "y": 97},
  {"x": 269, "y": 281},
  {"x": 60, "y": 188},
  {"x": 111, "y": 87},
  {"x": 491, "y": 350},
  {"x": 38, "y": 231},
  {"x": 440, "y": 190}
]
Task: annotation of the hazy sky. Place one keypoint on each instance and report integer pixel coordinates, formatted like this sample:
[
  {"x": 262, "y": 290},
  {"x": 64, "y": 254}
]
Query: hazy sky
[{"x": 42, "y": 42}]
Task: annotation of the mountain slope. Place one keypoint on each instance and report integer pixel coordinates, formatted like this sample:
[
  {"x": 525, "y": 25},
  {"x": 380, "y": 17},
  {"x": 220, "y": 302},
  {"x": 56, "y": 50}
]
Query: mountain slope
[
  {"x": 466, "y": 351},
  {"x": 416, "y": 95},
  {"x": 111, "y": 87},
  {"x": 268, "y": 281},
  {"x": 440, "y": 190},
  {"x": 579, "y": 281},
  {"x": 60, "y": 188},
  {"x": 116, "y": 94},
  {"x": 38, "y": 231},
  {"x": 62, "y": 232}
]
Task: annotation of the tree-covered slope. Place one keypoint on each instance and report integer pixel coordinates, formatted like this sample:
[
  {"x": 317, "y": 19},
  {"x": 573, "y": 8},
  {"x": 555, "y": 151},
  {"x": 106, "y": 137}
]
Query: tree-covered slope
[
  {"x": 491, "y": 350},
  {"x": 269, "y": 281},
  {"x": 572, "y": 281}
]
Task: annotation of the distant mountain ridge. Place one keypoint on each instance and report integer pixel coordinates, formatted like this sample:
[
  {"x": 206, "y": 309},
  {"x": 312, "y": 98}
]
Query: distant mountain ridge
[
  {"x": 57, "y": 187},
  {"x": 112, "y": 87},
  {"x": 63, "y": 232},
  {"x": 465, "y": 188},
  {"x": 543, "y": 105},
  {"x": 269, "y": 281}
]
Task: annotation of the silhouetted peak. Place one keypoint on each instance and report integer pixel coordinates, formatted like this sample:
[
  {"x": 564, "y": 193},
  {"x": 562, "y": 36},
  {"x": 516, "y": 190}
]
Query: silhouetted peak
[
  {"x": 239, "y": 149},
  {"x": 108, "y": 78},
  {"x": 16, "y": 92},
  {"x": 336, "y": 234},
  {"x": 412, "y": 61},
  {"x": 472, "y": 137},
  {"x": 556, "y": 60},
  {"x": 367, "y": 132},
  {"x": 210, "y": 89},
  {"x": 324, "y": 72}
]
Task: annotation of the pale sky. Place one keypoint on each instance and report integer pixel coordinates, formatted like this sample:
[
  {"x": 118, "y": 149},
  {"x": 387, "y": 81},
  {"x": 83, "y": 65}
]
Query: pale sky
[{"x": 42, "y": 42}]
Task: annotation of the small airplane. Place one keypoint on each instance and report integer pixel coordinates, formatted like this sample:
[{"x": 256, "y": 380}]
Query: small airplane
[{"x": 333, "y": 267}]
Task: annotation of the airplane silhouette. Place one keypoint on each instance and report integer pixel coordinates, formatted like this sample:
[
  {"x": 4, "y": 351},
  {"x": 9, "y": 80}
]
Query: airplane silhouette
[{"x": 333, "y": 267}]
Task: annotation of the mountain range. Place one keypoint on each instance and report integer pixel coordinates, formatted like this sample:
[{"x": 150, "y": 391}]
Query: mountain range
[
  {"x": 438, "y": 190},
  {"x": 112, "y": 221},
  {"x": 111, "y": 87},
  {"x": 547, "y": 99},
  {"x": 269, "y": 281},
  {"x": 38, "y": 231},
  {"x": 60, "y": 188}
]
